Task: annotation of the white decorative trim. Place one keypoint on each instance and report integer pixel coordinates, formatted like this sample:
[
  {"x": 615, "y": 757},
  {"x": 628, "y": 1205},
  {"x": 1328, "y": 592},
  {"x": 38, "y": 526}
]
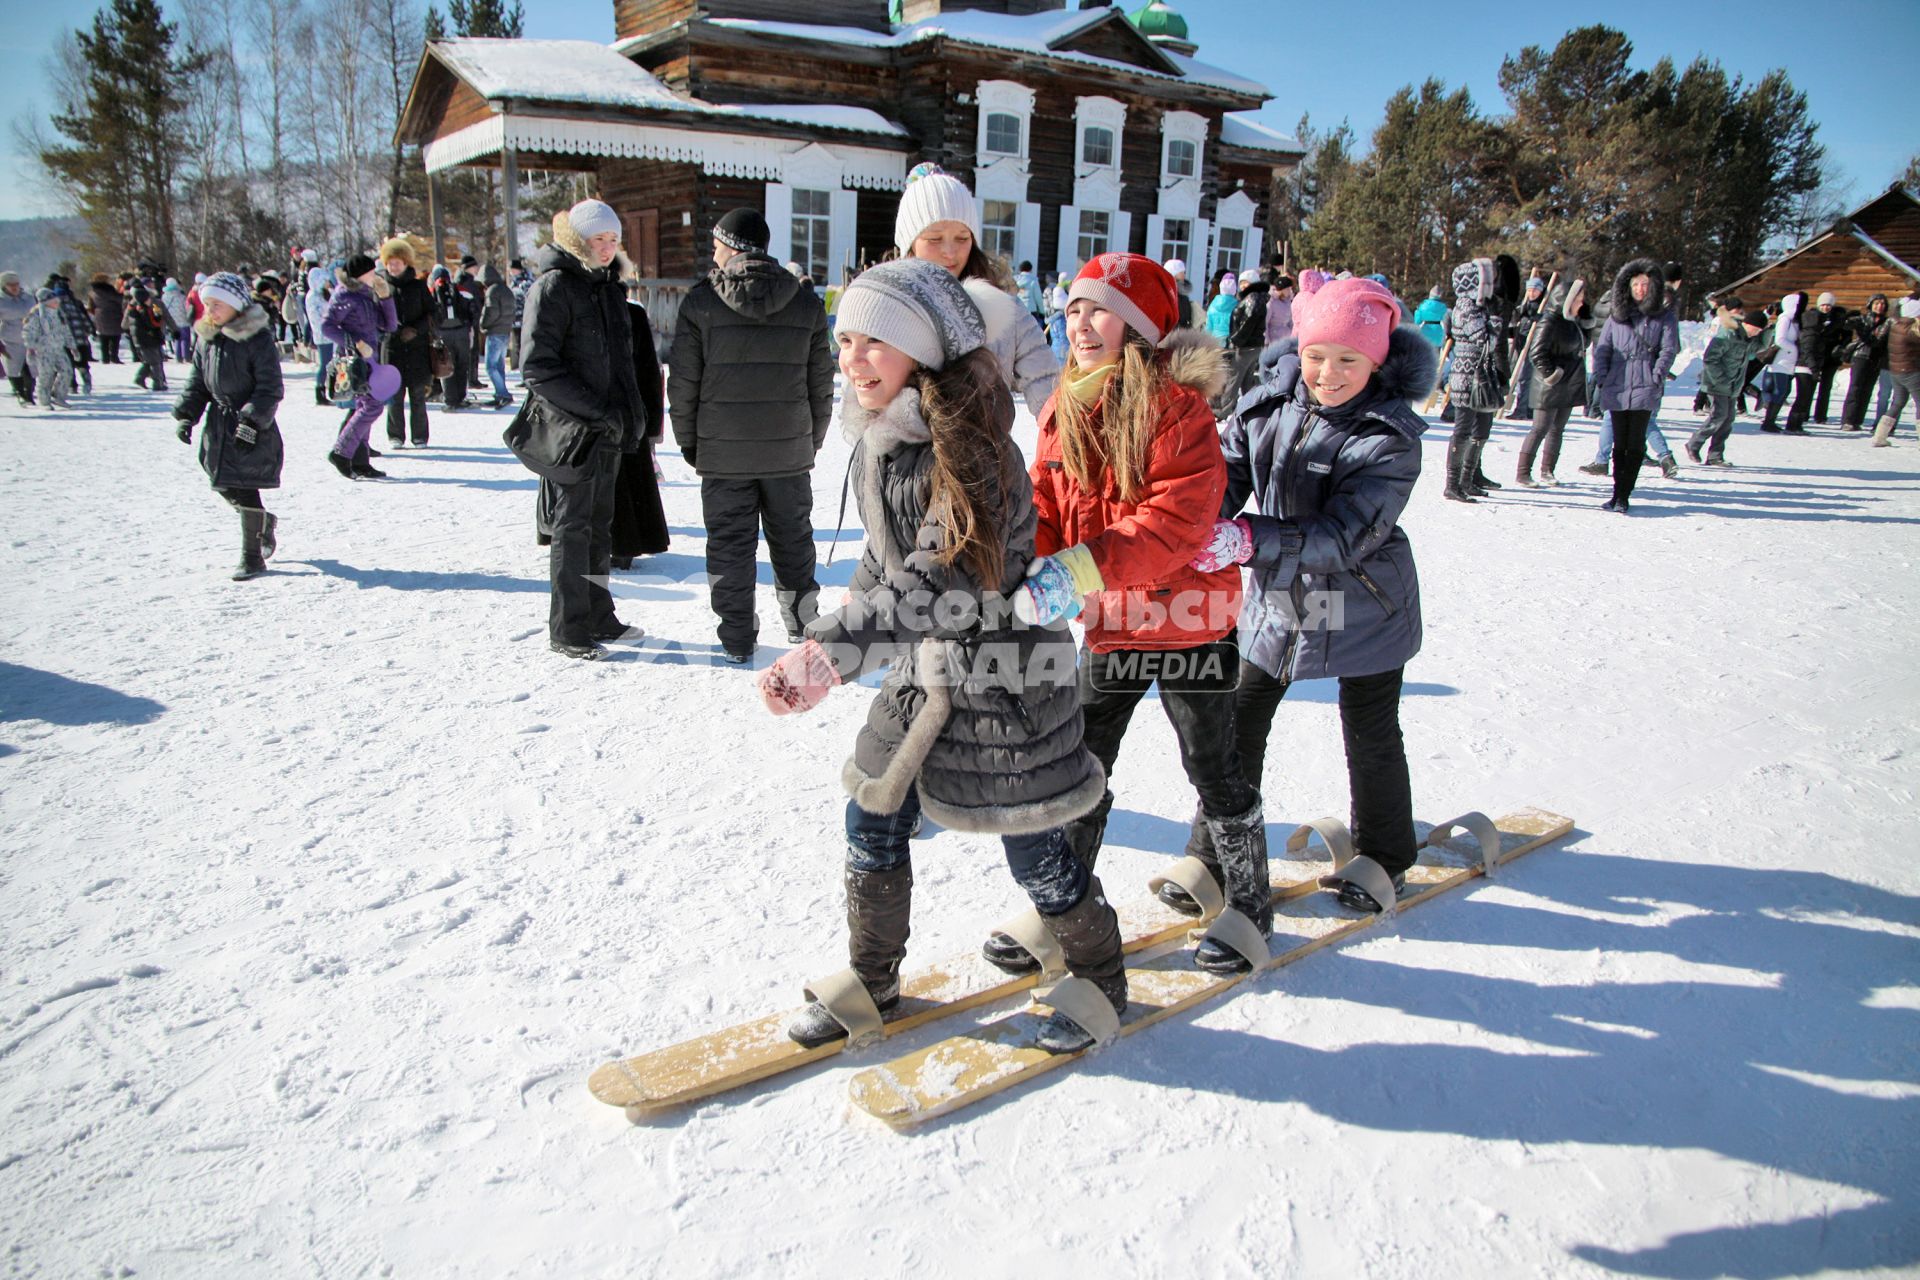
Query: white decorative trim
[
  {"x": 722, "y": 154},
  {"x": 1180, "y": 196},
  {"x": 1236, "y": 210},
  {"x": 997, "y": 175},
  {"x": 1098, "y": 186}
]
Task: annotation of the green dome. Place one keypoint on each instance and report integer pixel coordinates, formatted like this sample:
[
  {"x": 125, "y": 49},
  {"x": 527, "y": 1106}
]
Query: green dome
[{"x": 1158, "y": 19}]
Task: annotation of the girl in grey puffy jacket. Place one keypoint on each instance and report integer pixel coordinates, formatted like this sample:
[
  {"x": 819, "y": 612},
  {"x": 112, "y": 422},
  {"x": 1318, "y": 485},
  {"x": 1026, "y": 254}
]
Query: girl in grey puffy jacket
[{"x": 978, "y": 723}]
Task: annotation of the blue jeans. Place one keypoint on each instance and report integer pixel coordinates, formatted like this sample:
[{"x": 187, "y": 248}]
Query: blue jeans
[
  {"x": 497, "y": 364},
  {"x": 320, "y": 375},
  {"x": 1041, "y": 863},
  {"x": 1883, "y": 392},
  {"x": 1657, "y": 446}
]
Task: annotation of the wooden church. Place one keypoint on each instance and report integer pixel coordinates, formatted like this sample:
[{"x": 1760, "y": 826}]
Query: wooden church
[{"x": 1081, "y": 130}]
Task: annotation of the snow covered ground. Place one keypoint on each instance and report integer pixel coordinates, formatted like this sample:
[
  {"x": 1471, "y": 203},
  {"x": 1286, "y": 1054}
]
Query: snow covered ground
[{"x": 321, "y": 895}]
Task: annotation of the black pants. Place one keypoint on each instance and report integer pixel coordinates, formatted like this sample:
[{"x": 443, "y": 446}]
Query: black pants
[
  {"x": 109, "y": 347},
  {"x": 153, "y": 364},
  {"x": 1866, "y": 373},
  {"x": 736, "y": 511},
  {"x": 1199, "y": 704},
  {"x": 1824, "y": 394},
  {"x": 413, "y": 396},
  {"x": 1802, "y": 400},
  {"x": 455, "y": 383},
  {"x": 1471, "y": 425},
  {"x": 1629, "y": 449},
  {"x": 582, "y": 548},
  {"x": 1380, "y": 791},
  {"x": 241, "y": 499}
]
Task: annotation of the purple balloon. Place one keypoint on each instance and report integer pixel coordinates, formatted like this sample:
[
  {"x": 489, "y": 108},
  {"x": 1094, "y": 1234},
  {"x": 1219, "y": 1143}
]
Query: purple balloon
[{"x": 383, "y": 380}]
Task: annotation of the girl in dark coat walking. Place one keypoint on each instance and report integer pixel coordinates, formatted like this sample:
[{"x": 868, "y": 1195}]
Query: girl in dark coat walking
[
  {"x": 108, "y": 308},
  {"x": 1485, "y": 292},
  {"x": 1867, "y": 356},
  {"x": 1556, "y": 351},
  {"x": 1636, "y": 351},
  {"x": 1329, "y": 453},
  {"x": 410, "y": 350},
  {"x": 235, "y": 384},
  {"x": 977, "y": 723},
  {"x": 146, "y": 325},
  {"x": 359, "y": 316}
]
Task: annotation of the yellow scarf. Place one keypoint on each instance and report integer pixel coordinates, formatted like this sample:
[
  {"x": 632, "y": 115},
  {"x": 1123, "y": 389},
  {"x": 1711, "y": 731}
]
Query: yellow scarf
[{"x": 1085, "y": 385}]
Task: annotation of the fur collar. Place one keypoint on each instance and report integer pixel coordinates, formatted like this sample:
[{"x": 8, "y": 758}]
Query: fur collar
[
  {"x": 887, "y": 430},
  {"x": 574, "y": 245},
  {"x": 243, "y": 326},
  {"x": 1408, "y": 373},
  {"x": 1195, "y": 359},
  {"x": 1623, "y": 303}
]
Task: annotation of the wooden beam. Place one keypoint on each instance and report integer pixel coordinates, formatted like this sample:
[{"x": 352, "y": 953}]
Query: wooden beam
[{"x": 510, "y": 182}]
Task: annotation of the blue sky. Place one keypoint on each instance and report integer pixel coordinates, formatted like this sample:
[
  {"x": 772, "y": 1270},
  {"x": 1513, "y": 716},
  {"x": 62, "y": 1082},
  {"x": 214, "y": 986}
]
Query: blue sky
[{"x": 1854, "y": 59}]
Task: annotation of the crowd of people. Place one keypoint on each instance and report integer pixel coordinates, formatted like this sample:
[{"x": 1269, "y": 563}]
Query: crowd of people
[{"x": 1274, "y": 430}]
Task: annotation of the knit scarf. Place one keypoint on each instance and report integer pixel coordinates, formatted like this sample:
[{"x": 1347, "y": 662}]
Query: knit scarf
[{"x": 1085, "y": 385}]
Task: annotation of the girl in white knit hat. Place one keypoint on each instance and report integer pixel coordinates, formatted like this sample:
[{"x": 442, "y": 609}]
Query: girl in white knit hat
[{"x": 939, "y": 222}]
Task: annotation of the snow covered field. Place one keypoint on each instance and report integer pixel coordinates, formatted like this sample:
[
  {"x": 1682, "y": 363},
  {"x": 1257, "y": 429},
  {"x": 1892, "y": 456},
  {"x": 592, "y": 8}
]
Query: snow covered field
[{"x": 321, "y": 895}]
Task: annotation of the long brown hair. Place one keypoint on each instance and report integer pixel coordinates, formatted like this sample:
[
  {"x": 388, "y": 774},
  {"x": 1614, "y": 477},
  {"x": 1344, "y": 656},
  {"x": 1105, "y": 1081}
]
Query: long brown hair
[
  {"x": 973, "y": 456},
  {"x": 1120, "y": 435}
]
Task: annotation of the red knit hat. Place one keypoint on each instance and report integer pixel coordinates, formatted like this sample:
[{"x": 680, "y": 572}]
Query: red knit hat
[
  {"x": 1357, "y": 313},
  {"x": 1135, "y": 288}
]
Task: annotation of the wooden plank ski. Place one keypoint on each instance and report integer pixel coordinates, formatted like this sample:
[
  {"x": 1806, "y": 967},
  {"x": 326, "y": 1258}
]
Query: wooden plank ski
[
  {"x": 946, "y": 1076},
  {"x": 752, "y": 1051}
]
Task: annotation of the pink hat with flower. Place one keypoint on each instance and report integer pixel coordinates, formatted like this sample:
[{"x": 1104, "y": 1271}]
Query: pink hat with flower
[{"x": 1357, "y": 313}]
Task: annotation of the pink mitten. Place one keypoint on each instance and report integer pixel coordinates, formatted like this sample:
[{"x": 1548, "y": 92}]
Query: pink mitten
[
  {"x": 1232, "y": 543},
  {"x": 798, "y": 680}
]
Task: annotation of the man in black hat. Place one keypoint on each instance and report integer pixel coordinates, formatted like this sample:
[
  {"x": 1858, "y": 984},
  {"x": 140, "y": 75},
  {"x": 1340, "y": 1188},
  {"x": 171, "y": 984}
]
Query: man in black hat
[{"x": 750, "y": 384}]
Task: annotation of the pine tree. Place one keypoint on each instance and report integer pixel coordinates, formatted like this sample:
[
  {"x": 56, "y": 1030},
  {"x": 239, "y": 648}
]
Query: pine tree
[
  {"x": 123, "y": 159},
  {"x": 486, "y": 18}
]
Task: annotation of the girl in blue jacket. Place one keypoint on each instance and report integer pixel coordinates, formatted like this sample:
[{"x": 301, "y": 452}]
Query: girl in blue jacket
[{"x": 1329, "y": 453}]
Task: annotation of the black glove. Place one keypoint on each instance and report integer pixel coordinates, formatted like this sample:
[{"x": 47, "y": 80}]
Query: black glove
[
  {"x": 184, "y": 431},
  {"x": 245, "y": 435}
]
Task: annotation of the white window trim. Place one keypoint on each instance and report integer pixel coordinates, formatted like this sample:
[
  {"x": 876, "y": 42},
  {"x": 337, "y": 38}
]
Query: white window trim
[
  {"x": 997, "y": 175},
  {"x": 1098, "y": 186}
]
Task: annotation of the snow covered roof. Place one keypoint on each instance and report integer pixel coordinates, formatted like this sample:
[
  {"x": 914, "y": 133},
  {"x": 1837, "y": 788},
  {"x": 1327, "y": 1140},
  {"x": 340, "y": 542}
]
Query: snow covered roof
[
  {"x": 1238, "y": 131},
  {"x": 585, "y": 72},
  {"x": 1034, "y": 33}
]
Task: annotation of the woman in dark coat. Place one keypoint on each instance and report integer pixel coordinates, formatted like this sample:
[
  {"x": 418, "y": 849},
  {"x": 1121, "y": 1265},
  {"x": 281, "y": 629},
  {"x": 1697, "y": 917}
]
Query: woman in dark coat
[
  {"x": 108, "y": 309},
  {"x": 235, "y": 384},
  {"x": 410, "y": 350},
  {"x": 1636, "y": 351},
  {"x": 1556, "y": 351},
  {"x": 579, "y": 361},
  {"x": 1868, "y": 356}
]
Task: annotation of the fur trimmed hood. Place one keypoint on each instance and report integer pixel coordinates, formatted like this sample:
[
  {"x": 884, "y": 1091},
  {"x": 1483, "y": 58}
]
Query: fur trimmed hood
[
  {"x": 243, "y": 326},
  {"x": 1622, "y": 297},
  {"x": 885, "y": 430},
  {"x": 1195, "y": 358},
  {"x": 1408, "y": 373},
  {"x": 574, "y": 245}
]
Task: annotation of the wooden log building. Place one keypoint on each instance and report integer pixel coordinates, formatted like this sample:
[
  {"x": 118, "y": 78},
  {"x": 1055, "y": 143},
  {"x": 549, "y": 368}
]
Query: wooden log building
[
  {"x": 1874, "y": 249},
  {"x": 1080, "y": 130}
]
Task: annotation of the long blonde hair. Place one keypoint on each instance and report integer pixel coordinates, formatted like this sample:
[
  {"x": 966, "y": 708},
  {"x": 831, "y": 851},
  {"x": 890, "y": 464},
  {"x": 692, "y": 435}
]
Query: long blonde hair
[{"x": 1118, "y": 435}]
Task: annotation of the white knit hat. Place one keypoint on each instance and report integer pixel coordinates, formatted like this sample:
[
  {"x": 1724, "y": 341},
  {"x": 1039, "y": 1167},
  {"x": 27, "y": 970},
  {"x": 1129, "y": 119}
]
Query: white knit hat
[
  {"x": 229, "y": 288},
  {"x": 591, "y": 218},
  {"x": 1910, "y": 308},
  {"x": 914, "y": 307},
  {"x": 933, "y": 195},
  {"x": 1175, "y": 267}
]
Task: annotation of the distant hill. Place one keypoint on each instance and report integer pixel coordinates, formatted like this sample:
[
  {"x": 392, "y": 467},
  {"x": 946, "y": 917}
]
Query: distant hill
[{"x": 34, "y": 246}]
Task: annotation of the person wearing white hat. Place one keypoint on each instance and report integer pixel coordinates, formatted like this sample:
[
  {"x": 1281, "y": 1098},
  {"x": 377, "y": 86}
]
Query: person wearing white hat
[
  {"x": 1903, "y": 364},
  {"x": 939, "y": 222}
]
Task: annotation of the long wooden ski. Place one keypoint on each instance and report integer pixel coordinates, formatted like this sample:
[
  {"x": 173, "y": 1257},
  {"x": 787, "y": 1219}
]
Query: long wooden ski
[{"x": 944, "y": 1077}]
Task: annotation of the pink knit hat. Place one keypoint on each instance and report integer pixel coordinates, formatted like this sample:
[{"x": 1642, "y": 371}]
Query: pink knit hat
[{"x": 1357, "y": 313}]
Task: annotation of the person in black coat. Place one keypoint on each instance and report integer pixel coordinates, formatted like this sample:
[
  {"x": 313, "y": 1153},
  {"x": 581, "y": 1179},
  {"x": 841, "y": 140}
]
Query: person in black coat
[
  {"x": 410, "y": 349},
  {"x": 1556, "y": 356},
  {"x": 578, "y": 349},
  {"x": 1867, "y": 356},
  {"x": 750, "y": 382},
  {"x": 108, "y": 307},
  {"x": 235, "y": 384},
  {"x": 453, "y": 317}
]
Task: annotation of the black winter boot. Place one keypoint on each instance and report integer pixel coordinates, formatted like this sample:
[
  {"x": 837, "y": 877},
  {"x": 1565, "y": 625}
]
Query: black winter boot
[
  {"x": 1089, "y": 933},
  {"x": 1084, "y": 836},
  {"x": 269, "y": 540},
  {"x": 363, "y": 469},
  {"x": 1471, "y": 478},
  {"x": 1454, "y": 492},
  {"x": 1240, "y": 842},
  {"x": 1199, "y": 845},
  {"x": 253, "y": 521},
  {"x": 878, "y": 906}
]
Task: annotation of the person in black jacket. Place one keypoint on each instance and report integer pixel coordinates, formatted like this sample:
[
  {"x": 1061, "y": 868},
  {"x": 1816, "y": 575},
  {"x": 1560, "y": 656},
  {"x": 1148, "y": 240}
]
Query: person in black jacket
[
  {"x": 1836, "y": 326},
  {"x": 453, "y": 316},
  {"x": 235, "y": 384},
  {"x": 578, "y": 345},
  {"x": 1556, "y": 355},
  {"x": 750, "y": 386},
  {"x": 1867, "y": 356},
  {"x": 410, "y": 349},
  {"x": 146, "y": 326}
]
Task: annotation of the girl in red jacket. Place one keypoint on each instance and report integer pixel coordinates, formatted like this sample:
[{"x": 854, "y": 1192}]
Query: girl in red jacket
[{"x": 1127, "y": 480}]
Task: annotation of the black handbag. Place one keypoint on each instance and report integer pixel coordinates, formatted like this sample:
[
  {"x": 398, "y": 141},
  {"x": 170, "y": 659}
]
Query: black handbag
[
  {"x": 346, "y": 379},
  {"x": 552, "y": 443}
]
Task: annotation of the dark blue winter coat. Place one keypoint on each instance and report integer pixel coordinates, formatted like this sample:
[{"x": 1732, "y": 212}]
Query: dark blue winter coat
[
  {"x": 1334, "y": 591},
  {"x": 1638, "y": 346},
  {"x": 235, "y": 377}
]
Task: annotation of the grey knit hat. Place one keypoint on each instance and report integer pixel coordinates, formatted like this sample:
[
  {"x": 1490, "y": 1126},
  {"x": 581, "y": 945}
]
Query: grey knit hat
[{"x": 915, "y": 307}]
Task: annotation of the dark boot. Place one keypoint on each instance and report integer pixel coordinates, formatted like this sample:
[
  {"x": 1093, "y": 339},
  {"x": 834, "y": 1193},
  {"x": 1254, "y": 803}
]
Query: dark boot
[
  {"x": 878, "y": 906},
  {"x": 1084, "y": 836},
  {"x": 269, "y": 541},
  {"x": 1523, "y": 471},
  {"x": 1453, "y": 491},
  {"x": 1480, "y": 480},
  {"x": 1472, "y": 479},
  {"x": 1199, "y": 845},
  {"x": 252, "y": 564},
  {"x": 343, "y": 465},
  {"x": 1240, "y": 842},
  {"x": 1089, "y": 933},
  {"x": 363, "y": 469}
]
